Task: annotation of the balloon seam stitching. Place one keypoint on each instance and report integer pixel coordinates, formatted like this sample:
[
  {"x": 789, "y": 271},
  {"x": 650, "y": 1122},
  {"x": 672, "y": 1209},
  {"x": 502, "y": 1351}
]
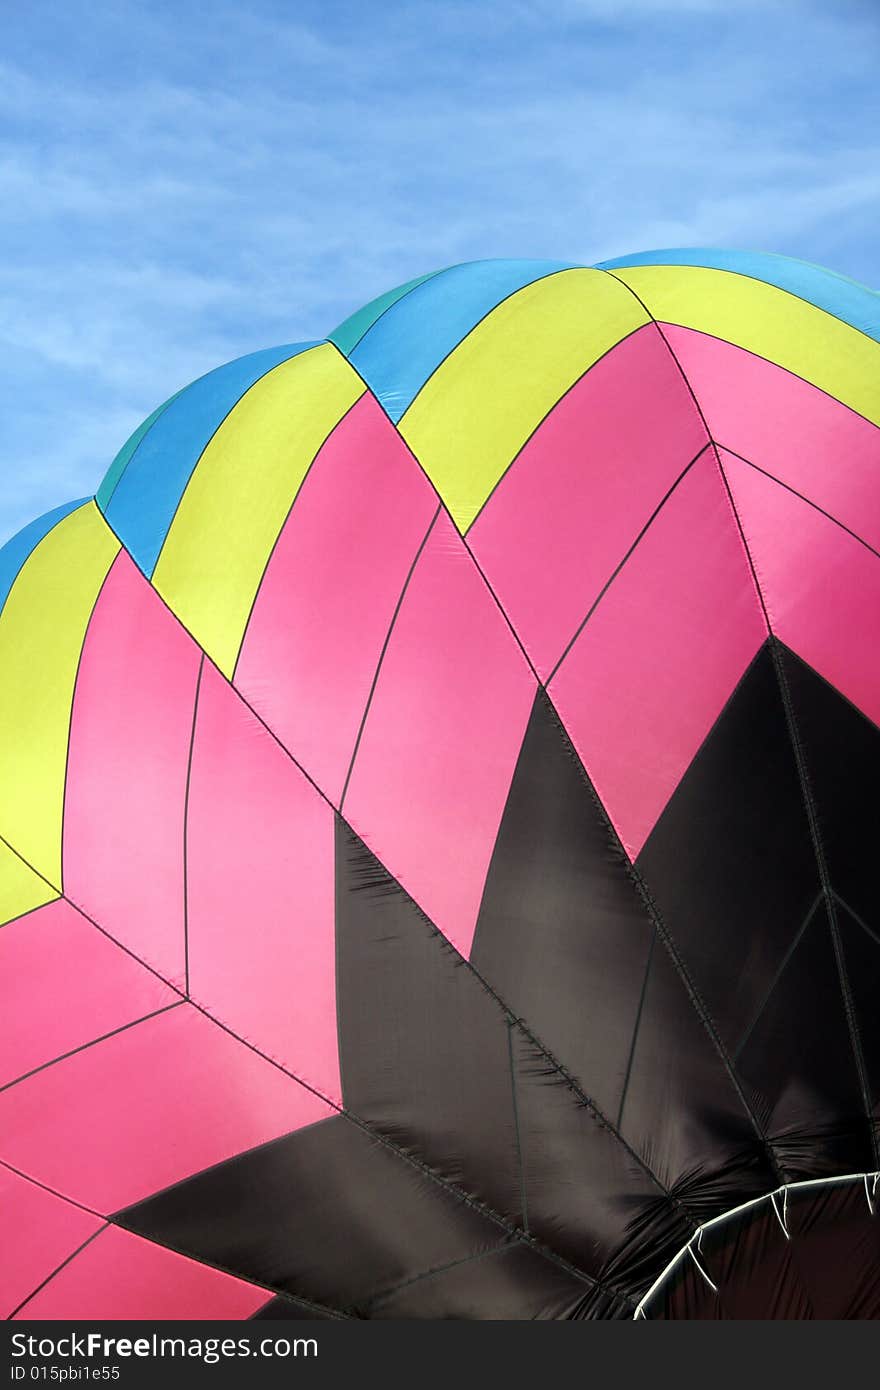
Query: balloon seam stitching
[
  {"x": 693, "y": 994},
  {"x": 117, "y": 1220},
  {"x": 803, "y": 777},
  {"x": 49, "y": 1277},
  {"x": 620, "y": 565},
  {"x": 406, "y": 583},
  {"x": 159, "y": 412},
  {"x": 186, "y": 796},
  {"x": 780, "y": 971},
  {"x": 549, "y": 275},
  {"x": 813, "y": 823},
  {"x": 569, "y": 1079},
  {"x": 93, "y": 1042},
  {"x": 759, "y": 280},
  {"x": 523, "y": 1198},
  {"x": 420, "y": 280},
  {"x": 312, "y": 461},
  {"x": 635, "y": 1033},
  {"x": 237, "y": 402},
  {"x": 672, "y": 949},
  {"x": 803, "y": 498},
  {"x": 533, "y": 1038},
  {"x": 368, "y": 1300},
  {"x": 66, "y": 897},
  {"x": 457, "y": 1193},
  {"x": 819, "y": 849},
  {"x": 53, "y": 1191},
  {"x": 72, "y": 507},
  {"x": 73, "y": 689},
  {"x": 771, "y": 362},
  {"x": 856, "y": 918},
  {"x": 546, "y": 416}
]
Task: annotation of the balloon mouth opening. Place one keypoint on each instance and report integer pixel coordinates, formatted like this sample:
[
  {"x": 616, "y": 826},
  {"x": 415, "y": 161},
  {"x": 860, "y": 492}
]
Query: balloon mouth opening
[{"x": 795, "y": 1252}]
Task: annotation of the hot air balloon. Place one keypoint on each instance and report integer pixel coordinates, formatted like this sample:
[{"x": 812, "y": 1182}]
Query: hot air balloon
[{"x": 439, "y": 818}]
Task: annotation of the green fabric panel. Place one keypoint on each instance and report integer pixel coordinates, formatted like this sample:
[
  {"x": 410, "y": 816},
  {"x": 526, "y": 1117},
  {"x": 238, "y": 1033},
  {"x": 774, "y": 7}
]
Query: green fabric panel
[
  {"x": 117, "y": 467},
  {"x": 348, "y": 334}
]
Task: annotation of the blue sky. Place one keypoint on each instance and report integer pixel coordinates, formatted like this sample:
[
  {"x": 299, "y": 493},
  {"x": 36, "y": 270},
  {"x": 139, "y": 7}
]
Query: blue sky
[{"x": 185, "y": 182}]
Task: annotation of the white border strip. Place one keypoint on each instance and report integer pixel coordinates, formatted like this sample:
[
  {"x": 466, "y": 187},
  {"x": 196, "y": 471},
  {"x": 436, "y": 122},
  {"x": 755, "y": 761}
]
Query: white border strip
[{"x": 870, "y": 1181}]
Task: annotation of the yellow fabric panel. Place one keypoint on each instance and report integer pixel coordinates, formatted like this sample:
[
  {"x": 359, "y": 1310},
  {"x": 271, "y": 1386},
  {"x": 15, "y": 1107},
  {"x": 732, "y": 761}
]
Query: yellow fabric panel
[
  {"x": 21, "y": 890},
  {"x": 41, "y": 635},
  {"x": 767, "y": 321},
  {"x": 238, "y": 497},
  {"x": 475, "y": 413}
]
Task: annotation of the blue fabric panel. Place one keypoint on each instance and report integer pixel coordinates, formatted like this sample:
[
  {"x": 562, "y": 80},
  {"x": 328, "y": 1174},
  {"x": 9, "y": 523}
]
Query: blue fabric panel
[
  {"x": 14, "y": 553},
  {"x": 406, "y": 345},
  {"x": 146, "y": 496},
  {"x": 846, "y": 299}
]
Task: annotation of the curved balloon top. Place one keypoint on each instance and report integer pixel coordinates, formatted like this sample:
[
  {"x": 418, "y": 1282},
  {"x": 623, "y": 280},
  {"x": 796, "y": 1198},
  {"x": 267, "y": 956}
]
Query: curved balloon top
[
  {"x": 397, "y": 343},
  {"x": 438, "y": 807}
]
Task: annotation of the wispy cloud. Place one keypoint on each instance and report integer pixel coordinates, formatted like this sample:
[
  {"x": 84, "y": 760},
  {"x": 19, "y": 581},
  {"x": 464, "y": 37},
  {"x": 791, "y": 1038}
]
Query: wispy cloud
[{"x": 182, "y": 183}]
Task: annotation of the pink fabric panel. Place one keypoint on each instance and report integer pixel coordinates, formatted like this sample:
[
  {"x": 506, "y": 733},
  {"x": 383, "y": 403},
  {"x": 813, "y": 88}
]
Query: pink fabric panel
[
  {"x": 120, "y": 1276},
  {"x": 583, "y": 487},
  {"x": 330, "y": 589},
  {"x": 39, "y": 1230},
  {"x": 654, "y": 666},
  {"x": 821, "y": 587},
  {"x": 63, "y": 985},
  {"x": 788, "y": 427},
  {"x": 126, "y": 784},
  {"x": 157, "y": 1103},
  {"x": 442, "y": 736},
  {"x": 260, "y": 861}
]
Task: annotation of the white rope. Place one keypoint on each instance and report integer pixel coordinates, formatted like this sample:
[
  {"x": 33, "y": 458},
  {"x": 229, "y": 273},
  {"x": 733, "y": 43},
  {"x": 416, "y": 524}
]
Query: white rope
[
  {"x": 778, "y": 1217},
  {"x": 713, "y": 1287}
]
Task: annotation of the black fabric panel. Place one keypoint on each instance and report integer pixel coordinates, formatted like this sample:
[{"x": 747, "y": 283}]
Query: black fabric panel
[
  {"x": 562, "y": 933},
  {"x": 841, "y": 751},
  {"x": 423, "y": 1045},
  {"x": 730, "y": 864},
  {"x": 511, "y": 1283},
  {"x": 799, "y": 1059},
  {"x": 288, "y": 1310},
  {"x": 327, "y": 1214},
  {"x": 682, "y": 1107},
  {"x": 861, "y": 952},
  {"x": 587, "y": 1197}
]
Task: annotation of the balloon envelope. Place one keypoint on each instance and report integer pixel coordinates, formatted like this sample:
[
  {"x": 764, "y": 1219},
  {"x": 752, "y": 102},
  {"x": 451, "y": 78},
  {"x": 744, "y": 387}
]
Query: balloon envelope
[{"x": 438, "y": 818}]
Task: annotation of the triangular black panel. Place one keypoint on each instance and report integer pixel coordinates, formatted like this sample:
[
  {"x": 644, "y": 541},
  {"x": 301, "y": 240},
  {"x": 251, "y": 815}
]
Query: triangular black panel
[
  {"x": 562, "y": 934},
  {"x": 730, "y": 864},
  {"x": 424, "y": 1046},
  {"x": 861, "y": 951},
  {"x": 682, "y": 1106},
  {"x": 327, "y": 1214},
  {"x": 587, "y": 1196},
  {"x": 799, "y": 1059},
  {"x": 512, "y": 1283},
  {"x": 841, "y": 751}
]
